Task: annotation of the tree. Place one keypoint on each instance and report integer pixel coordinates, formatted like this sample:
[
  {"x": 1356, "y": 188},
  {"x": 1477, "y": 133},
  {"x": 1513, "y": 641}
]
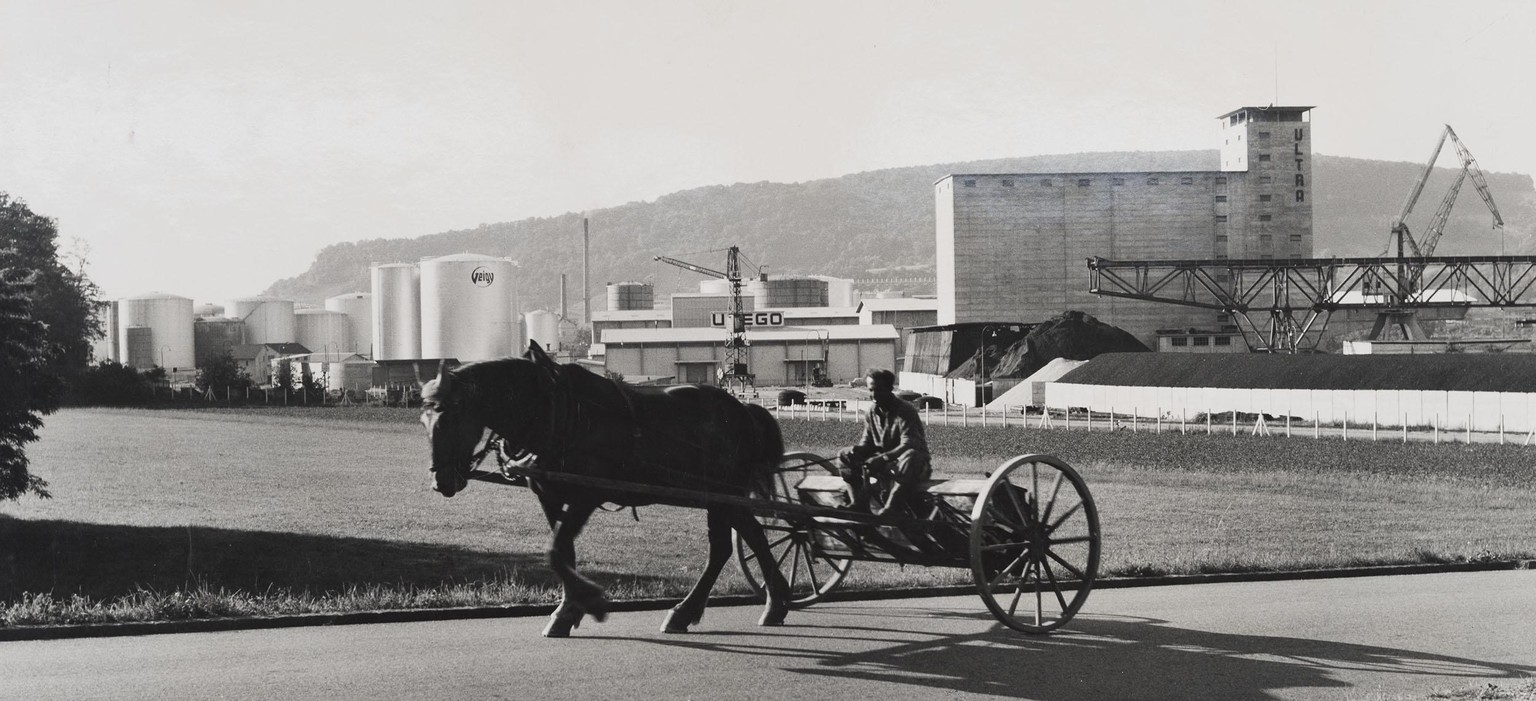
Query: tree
[
  {"x": 222, "y": 372},
  {"x": 46, "y": 328}
]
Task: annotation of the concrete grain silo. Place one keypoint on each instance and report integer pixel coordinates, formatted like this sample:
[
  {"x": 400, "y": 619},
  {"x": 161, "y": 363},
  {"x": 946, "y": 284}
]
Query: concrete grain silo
[
  {"x": 358, "y": 306},
  {"x": 466, "y": 307},
  {"x": 396, "y": 312},
  {"x": 267, "y": 319},
  {"x": 544, "y": 327},
  {"x": 629, "y": 296},
  {"x": 156, "y": 329},
  {"x": 323, "y": 331},
  {"x": 790, "y": 292}
]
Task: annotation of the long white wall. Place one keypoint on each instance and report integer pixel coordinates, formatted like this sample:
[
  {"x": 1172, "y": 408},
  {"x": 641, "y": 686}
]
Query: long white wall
[{"x": 1482, "y": 411}]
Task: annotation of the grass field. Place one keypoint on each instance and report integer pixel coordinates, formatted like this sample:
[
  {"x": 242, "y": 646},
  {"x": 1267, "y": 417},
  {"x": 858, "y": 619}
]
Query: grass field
[{"x": 168, "y": 514}]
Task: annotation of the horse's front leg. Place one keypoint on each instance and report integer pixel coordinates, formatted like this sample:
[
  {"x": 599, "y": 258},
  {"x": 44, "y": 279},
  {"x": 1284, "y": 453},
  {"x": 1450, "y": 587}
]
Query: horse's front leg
[
  {"x": 578, "y": 595},
  {"x": 691, "y": 609}
]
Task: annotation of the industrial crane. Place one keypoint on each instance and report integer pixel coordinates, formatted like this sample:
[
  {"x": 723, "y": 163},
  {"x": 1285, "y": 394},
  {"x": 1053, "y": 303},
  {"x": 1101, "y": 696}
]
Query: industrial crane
[
  {"x": 734, "y": 364},
  {"x": 1409, "y": 272}
]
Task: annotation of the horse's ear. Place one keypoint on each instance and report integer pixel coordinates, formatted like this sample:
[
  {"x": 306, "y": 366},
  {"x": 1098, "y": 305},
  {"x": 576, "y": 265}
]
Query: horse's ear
[
  {"x": 542, "y": 359},
  {"x": 443, "y": 376}
]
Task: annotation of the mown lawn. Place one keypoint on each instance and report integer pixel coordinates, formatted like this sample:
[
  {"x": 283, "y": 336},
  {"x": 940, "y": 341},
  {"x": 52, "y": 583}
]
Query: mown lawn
[{"x": 242, "y": 512}]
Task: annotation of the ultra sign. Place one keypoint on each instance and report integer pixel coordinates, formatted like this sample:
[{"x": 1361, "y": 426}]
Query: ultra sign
[{"x": 751, "y": 318}]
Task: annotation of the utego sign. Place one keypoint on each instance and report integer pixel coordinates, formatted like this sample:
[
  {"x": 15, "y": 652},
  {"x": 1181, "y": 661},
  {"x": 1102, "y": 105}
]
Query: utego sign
[
  {"x": 481, "y": 277},
  {"x": 750, "y": 318}
]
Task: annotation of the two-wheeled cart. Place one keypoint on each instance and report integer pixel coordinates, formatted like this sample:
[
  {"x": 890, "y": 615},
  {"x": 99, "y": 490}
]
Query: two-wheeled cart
[{"x": 1028, "y": 531}]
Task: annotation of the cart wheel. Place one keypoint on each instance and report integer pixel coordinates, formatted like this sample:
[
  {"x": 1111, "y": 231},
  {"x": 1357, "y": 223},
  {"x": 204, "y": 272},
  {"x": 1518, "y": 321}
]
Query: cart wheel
[
  {"x": 810, "y": 577},
  {"x": 1034, "y": 543}
]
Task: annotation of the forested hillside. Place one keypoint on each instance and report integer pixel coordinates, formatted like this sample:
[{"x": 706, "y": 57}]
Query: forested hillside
[{"x": 880, "y": 224}]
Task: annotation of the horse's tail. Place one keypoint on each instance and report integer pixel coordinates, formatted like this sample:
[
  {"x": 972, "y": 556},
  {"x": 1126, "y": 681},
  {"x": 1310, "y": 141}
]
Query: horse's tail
[{"x": 770, "y": 447}]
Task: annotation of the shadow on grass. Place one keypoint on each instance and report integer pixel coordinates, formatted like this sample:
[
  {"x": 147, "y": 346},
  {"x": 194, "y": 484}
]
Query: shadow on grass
[{"x": 103, "y": 562}]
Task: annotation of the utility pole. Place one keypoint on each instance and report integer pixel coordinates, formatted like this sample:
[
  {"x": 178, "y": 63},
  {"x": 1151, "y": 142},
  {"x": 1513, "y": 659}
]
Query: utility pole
[{"x": 586, "y": 275}]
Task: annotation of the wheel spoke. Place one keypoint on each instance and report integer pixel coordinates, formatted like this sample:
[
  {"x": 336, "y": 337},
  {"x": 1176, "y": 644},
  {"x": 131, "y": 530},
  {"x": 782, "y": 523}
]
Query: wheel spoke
[
  {"x": 1018, "y": 593},
  {"x": 794, "y": 568},
  {"x": 1013, "y": 496},
  {"x": 1067, "y": 566},
  {"x": 1004, "y": 571},
  {"x": 1045, "y": 516},
  {"x": 1003, "y": 546},
  {"x": 1066, "y": 515},
  {"x": 810, "y": 569},
  {"x": 1073, "y": 539},
  {"x": 1055, "y": 585}
]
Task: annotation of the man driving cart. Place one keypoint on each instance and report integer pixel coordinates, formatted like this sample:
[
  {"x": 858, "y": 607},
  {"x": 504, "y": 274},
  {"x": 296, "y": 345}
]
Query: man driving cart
[{"x": 892, "y": 455}]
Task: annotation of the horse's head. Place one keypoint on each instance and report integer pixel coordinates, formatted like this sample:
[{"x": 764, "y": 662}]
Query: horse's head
[{"x": 454, "y": 429}]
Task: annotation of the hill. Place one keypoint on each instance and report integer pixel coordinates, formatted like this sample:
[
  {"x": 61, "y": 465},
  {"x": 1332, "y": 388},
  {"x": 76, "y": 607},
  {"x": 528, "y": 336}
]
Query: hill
[{"x": 880, "y": 224}]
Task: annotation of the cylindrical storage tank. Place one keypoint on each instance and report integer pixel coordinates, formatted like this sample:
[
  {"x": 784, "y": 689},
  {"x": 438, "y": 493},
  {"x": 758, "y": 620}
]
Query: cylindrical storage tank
[
  {"x": 396, "y": 312},
  {"x": 267, "y": 320},
  {"x": 466, "y": 307},
  {"x": 715, "y": 287},
  {"x": 358, "y": 306},
  {"x": 839, "y": 291},
  {"x": 788, "y": 292},
  {"x": 323, "y": 331},
  {"x": 161, "y": 326},
  {"x": 544, "y": 328},
  {"x": 214, "y": 337},
  {"x": 628, "y": 296}
]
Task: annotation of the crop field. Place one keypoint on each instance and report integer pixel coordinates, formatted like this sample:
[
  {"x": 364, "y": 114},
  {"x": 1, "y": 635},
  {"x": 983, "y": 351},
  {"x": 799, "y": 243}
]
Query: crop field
[{"x": 230, "y": 512}]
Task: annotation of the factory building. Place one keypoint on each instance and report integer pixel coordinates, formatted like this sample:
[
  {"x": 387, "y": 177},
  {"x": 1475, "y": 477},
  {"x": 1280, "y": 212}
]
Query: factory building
[
  {"x": 777, "y": 356},
  {"x": 1014, "y": 246}
]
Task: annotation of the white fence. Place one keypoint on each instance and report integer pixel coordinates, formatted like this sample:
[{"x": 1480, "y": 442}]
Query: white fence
[{"x": 1476, "y": 411}]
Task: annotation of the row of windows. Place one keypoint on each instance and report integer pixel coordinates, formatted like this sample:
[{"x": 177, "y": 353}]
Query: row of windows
[
  {"x": 1263, "y": 238},
  {"x": 1085, "y": 182},
  {"x": 1202, "y": 340}
]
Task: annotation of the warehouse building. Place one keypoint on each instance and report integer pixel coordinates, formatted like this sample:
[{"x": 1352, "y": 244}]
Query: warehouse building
[
  {"x": 777, "y": 356},
  {"x": 1014, "y": 246}
]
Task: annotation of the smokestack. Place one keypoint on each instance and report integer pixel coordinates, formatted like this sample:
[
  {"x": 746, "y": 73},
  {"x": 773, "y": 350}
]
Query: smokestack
[
  {"x": 562, "y": 297},
  {"x": 586, "y": 275}
]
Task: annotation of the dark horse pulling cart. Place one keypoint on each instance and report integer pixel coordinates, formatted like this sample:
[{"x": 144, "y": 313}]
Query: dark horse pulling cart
[{"x": 1029, "y": 532}]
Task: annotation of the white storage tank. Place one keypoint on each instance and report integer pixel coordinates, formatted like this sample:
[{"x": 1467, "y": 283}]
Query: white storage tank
[
  {"x": 267, "y": 320},
  {"x": 544, "y": 327},
  {"x": 466, "y": 307},
  {"x": 396, "y": 312},
  {"x": 715, "y": 287},
  {"x": 629, "y": 296},
  {"x": 160, "y": 327},
  {"x": 790, "y": 292},
  {"x": 358, "y": 306},
  {"x": 839, "y": 291},
  {"x": 323, "y": 331}
]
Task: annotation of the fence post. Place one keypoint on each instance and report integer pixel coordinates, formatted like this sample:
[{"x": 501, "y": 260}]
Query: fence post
[
  {"x": 1135, "y": 414},
  {"x": 1346, "y": 427},
  {"x": 1287, "y": 424},
  {"x": 1067, "y": 412},
  {"x": 1501, "y": 430},
  {"x": 1234, "y": 422},
  {"x": 1373, "y": 427},
  {"x": 1405, "y": 428},
  {"x": 1207, "y": 422},
  {"x": 1436, "y": 423},
  {"x": 1317, "y": 429},
  {"x": 1184, "y": 420},
  {"x": 1469, "y": 429},
  {"x": 1159, "y": 421}
]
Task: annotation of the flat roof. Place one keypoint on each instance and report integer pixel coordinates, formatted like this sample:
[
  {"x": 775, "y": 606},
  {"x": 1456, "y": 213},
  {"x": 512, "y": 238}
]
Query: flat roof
[
  {"x": 873, "y": 332},
  {"x": 916, "y": 304},
  {"x": 1270, "y": 108},
  {"x": 633, "y": 315}
]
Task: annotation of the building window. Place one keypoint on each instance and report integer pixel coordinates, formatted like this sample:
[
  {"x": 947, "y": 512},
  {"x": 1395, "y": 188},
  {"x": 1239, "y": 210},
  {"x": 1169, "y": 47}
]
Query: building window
[
  {"x": 1151, "y": 181},
  {"x": 1223, "y": 340},
  {"x": 970, "y": 183},
  {"x": 1221, "y": 180},
  {"x": 1223, "y": 318},
  {"x": 1265, "y": 180},
  {"x": 1266, "y": 256},
  {"x": 1295, "y": 255},
  {"x": 1220, "y": 256},
  {"x": 1263, "y": 158},
  {"x": 1083, "y": 182},
  {"x": 1221, "y": 238},
  {"x": 1221, "y": 198},
  {"x": 1202, "y": 340},
  {"x": 1221, "y": 218},
  {"x": 1179, "y": 341},
  {"x": 1007, "y": 182},
  {"x": 1117, "y": 181},
  {"x": 1264, "y": 135},
  {"x": 1264, "y": 217},
  {"x": 1266, "y": 198},
  {"x": 1186, "y": 181},
  {"x": 1046, "y": 182},
  {"x": 1295, "y": 238},
  {"x": 1266, "y": 239}
]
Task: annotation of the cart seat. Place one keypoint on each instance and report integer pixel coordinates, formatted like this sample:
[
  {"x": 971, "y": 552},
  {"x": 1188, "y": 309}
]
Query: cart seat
[{"x": 831, "y": 490}]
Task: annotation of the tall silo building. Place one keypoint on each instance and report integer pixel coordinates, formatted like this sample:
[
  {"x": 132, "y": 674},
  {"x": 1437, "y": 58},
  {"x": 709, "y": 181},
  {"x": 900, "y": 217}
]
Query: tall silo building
[
  {"x": 156, "y": 329},
  {"x": 323, "y": 331},
  {"x": 358, "y": 306},
  {"x": 396, "y": 312},
  {"x": 467, "y": 307},
  {"x": 267, "y": 319},
  {"x": 1013, "y": 247}
]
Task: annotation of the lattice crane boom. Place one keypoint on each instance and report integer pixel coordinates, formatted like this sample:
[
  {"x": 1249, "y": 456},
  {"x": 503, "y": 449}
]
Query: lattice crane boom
[{"x": 734, "y": 363}]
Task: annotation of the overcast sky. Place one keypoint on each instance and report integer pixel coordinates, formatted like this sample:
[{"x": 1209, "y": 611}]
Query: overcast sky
[{"x": 208, "y": 148}]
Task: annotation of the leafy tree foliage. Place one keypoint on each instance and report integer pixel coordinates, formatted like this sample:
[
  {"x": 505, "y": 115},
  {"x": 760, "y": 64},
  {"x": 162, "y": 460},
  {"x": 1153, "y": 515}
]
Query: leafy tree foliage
[
  {"x": 110, "y": 383},
  {"x": 46, "y": 327},
  {"x": 222, "y": 372}
]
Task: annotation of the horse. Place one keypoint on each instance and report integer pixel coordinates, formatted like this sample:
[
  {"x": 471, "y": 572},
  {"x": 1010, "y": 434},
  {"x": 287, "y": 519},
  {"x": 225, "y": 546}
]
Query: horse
[{"x": 570, "y": 421}]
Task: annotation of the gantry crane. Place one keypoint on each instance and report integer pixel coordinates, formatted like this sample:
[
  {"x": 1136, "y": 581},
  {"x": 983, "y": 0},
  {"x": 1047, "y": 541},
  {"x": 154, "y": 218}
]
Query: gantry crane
[
  {"x": 1409, "y": 271},
  {"x": 733, "y": 368}
]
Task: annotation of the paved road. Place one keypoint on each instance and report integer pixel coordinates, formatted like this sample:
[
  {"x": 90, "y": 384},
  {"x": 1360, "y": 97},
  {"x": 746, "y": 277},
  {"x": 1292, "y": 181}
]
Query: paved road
[{"x": 1377, "y": 637}]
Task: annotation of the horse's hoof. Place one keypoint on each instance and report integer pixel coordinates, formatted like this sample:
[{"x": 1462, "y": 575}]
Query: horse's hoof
[
  {"x": 597, "y": 607},
  {"x": 773, "y": 617},
  {"x": 561, "y": 627},
  {"x": 678, "y": 621}
]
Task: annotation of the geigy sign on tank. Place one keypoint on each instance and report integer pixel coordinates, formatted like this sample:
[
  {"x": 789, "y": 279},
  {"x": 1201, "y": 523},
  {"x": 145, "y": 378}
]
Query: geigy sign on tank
[{"x": 481, "y": 277}]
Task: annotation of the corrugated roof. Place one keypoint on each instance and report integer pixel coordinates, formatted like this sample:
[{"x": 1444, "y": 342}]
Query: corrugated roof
[
  {"x": 1464, "y": 372},
  {"x": 875, "y": 332}
]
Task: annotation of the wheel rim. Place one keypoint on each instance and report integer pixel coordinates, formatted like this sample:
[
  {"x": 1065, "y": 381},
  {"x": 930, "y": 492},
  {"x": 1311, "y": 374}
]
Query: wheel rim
[
  {"x": 1035, "y": 543},
  {"x": 810, "y": 577}
]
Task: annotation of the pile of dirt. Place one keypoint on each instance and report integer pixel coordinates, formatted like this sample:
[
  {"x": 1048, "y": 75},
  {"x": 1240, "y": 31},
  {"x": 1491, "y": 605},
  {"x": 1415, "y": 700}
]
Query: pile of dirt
[{"x": 1072, "y": 335}]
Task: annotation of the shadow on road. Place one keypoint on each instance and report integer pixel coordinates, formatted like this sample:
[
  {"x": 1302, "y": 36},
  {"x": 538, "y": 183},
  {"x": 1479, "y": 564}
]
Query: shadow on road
[
  {"x": 1100, "y": 657},
  {"x": 107, "y": 561}
]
